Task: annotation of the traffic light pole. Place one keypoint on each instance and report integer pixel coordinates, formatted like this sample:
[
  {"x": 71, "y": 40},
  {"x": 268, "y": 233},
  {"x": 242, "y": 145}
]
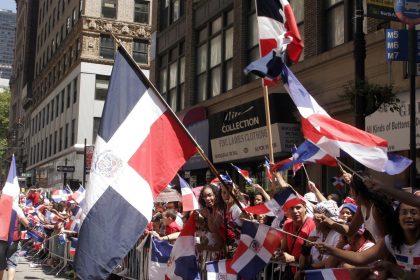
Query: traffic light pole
[{"x": 65, "y": 174}]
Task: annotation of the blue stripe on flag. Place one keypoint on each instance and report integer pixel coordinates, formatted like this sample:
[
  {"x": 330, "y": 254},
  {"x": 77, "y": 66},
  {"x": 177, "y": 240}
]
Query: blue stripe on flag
[
  {"x": 281, "y": 197},
  {"x": 187, "y": 267},
  {"x": 314, "y": 275},
  {"x": 104, "y": 223},
  {"x": 124, "y": 86},
  {"x": 401, "y": 258},
  {"x": 252, "y": 268},
  {"x": 161, "y": 251}
]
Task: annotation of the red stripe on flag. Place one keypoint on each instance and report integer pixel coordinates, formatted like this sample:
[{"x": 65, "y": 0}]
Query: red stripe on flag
[
  {"x": 188, "y": 202},
  {"x": 272, "y": 240},
  {"x": 342, "y": 274},
  {"x": 163, "y": 152},
  {"x": 340, "y": 131},
  {"x": 6, "y": 203},
  {"x": 416, "y": 260},
  {"x": 295, "y": 48}
]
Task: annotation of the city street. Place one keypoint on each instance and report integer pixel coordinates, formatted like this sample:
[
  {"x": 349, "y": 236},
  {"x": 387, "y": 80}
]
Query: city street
[{"x": 28, "y": 270}]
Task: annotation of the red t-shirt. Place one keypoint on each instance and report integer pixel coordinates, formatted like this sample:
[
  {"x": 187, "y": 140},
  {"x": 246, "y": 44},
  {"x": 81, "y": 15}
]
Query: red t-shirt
[
  {"x": 289, "y": 226},
  {"x": 172, "y": 227},
  {"x": 34, "y": 197}
]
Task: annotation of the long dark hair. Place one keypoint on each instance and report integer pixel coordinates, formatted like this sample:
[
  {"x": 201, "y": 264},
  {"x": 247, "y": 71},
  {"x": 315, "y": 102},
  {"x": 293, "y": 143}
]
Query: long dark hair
[
  {"x": 382, "y": 204},
  {"x": 217, "y": 197}
]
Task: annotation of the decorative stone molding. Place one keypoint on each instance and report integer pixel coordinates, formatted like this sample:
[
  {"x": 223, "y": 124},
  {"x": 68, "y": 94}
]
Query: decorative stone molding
[{"x": 117, "y": 28}]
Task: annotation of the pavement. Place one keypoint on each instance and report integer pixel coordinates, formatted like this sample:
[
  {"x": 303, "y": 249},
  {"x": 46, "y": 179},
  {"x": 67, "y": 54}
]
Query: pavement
[{"x": 27, "y": 269}]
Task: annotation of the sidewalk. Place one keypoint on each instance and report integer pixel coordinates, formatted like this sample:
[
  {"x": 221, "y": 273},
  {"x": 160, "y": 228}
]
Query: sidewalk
[{"x": 24, "y": 271}]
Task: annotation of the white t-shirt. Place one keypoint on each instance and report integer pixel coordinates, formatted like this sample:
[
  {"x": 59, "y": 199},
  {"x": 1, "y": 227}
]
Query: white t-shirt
[
  {"x": 408, "y": 257},
  {"x": 331, "y": 239}
]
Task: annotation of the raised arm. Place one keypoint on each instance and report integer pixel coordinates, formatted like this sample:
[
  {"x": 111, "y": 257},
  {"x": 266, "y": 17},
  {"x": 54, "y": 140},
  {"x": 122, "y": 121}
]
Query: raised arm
[
  {"x": 312, "y": 188},
  {"x": 402, "y": 196},
  {"x": 368, "y": 256}
]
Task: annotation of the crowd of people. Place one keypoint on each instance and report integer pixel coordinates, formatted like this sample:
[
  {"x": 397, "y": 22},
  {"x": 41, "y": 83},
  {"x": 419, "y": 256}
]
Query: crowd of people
[
  {"x": 36, "y": 220},
  {"x": 374, "y": 231}
]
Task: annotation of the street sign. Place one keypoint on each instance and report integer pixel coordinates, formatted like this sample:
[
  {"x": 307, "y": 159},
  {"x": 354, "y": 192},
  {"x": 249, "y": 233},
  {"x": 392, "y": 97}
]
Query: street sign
[
  {"x": 381, "y": 9},
  {"x": 408, "y": 11},
  {"x": 65, "y": 168},
  {"x": 397, "y": 45},
  {"x": 27, "y": 175}
]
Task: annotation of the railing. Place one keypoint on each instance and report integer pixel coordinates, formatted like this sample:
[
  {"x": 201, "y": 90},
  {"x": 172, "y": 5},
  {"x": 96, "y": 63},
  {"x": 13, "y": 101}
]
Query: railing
[{"x": 135, "y": 266}]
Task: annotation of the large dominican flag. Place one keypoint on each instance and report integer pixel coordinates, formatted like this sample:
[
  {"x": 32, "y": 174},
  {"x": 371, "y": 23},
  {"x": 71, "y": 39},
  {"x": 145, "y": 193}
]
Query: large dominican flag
[
  {"x": 189, "y": 201},
  {"x": 139, "y": 149},
  {"x": 10, "y": 194}
]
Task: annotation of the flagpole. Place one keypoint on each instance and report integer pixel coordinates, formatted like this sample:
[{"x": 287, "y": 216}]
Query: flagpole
[
  {"x": 346, "y": 166},
  {"x": 268, "y": 120},
  {"x": 144, "y": 79}
]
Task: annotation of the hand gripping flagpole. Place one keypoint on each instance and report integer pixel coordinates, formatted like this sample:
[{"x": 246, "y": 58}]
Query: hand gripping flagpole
[{"x": 144, "y": 79}]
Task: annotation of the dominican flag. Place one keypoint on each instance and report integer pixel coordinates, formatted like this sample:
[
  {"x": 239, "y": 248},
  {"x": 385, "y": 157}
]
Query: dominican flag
[
  {"x": 73, "y": 245},
  {"x": 220, "y": 270},
  {"x": 268, "y": 169},
  {"x": 306, "y": 152},
  {"x": 183, "y": 263},
  {"x": 60, "y": 195},
  {"x": 37, "y": 234},
  {"x": 189, "y": 201},
  {"x": 256, "y": 246},
  {"x": 277, "y": 28},
  {"x": 244, "y": 174},
  {"x": 160, "y": 251},
  {"x": 76, "y": 212},
  {"x": 328, "y": 274},
  {"x": 72, "y": 225},
  {"x": 280, "y": 202},
  {"x": 51, "y": 217},
  {"x": 10, "y": 194},
  {"x": 139, "y": 149},
  {"x": 78, "y": 195},
  {"x": 338, "y": 182},
  {"x": 226, "y": 178},
  {"x": 331, "y": 135}
]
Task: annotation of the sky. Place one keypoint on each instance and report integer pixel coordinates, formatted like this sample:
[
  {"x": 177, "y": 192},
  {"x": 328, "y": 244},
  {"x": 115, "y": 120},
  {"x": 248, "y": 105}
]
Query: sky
[{"x": 8, "y": 5}]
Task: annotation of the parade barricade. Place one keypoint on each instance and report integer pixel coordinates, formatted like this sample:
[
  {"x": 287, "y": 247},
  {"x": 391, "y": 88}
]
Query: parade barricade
[
  {"x": 61, "y": 251},
  {"x": 136, "y": 266}
]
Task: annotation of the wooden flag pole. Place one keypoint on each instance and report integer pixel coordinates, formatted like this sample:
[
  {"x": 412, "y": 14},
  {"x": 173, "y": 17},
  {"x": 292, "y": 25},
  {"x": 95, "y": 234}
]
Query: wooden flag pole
[
  {"x": 268, "y": 121},
  {"x": 144, "y": 79}
]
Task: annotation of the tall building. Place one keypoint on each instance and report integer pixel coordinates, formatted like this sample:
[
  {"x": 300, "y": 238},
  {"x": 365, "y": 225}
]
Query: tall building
[
  {"x": 7, "y": 40},
  {"x": 73, "y": 60},
  {"x": 202, "y": 47}
]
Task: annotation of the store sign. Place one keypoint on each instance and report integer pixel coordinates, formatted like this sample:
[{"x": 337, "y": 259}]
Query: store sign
[
  {"x": 241, "y": 132},
  {"x": 382, "y": 9},
  {"x": 395, "y": 126}
]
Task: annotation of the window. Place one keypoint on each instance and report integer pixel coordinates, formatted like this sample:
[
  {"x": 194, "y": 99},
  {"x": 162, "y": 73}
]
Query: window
[
  {"x": 109, "y": 8},
  {"x": 172, "y": 77},
  {"x": 214, "y": 58},
  {"x": 66, "y": 138},
  {"x": 96, "y": 123},
  {"x": 60, "y": 142},
  {"x": 171, "y": 11},
  {"x": 55, "y": 142},
  {"x": 141, "y": 11},
  {"x": 68, "y": 95},
  {"x": 42, "y": 150},
  {"x": 141, "y": 51},
  {"x": 62, "y": 100},
  {"x": 107, "y": 47},
  {"x": 45, "y": 148},
  {"x": 50, "y": 146},
  {"x": 80, "y": 7},
  {"x": 52, "y": 110},
  {"x": 47, "y": 114},
  {"x": 73, "y": 131},
  {"x": 339, "y": 27},
  {"x": 75, "y": 90},
  {"x": 101, "y": 87},
  {"x": 56, "y": 105}
]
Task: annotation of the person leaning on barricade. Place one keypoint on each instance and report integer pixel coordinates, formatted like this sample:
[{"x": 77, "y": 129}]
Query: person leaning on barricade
[
  {"x": 402, "y": 244},
  {"x": 310, "y": 257},
  {"x": 298, "y": 224}
]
